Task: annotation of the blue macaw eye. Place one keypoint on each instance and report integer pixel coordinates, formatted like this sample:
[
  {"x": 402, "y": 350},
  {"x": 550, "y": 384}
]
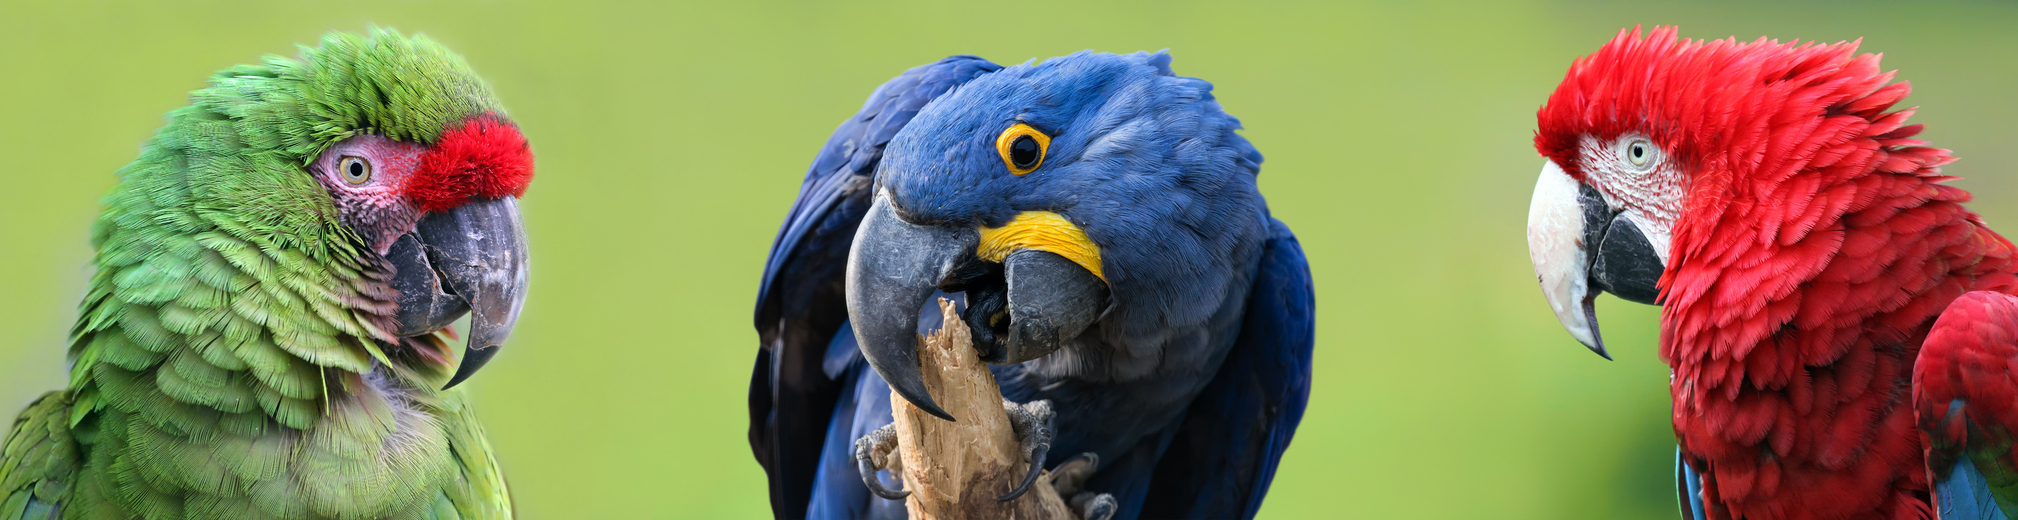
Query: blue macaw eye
[
  {"x": 1023, "y": 153},
  {"x": 1022, "y": 148}
]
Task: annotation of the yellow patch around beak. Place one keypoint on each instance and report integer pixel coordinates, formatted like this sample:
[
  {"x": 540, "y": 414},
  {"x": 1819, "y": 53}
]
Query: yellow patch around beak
[{"x": 1042, "y": 231}]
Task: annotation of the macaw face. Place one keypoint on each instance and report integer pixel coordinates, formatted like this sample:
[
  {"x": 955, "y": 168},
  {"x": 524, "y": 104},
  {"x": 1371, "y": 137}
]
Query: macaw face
[
  {"x": 445, "y": 219},
  {"x": 1606, "y": 232},
  {"x": 1018, "y": 188}
]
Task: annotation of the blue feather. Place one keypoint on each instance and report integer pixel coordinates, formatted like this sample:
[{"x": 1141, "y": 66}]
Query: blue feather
[
  {"x": 1690, "y": 484},
  {"x": 1963, "y": 494},
  {"x": 850, "y": 156},
  {"x": 1235, "y": 434}
]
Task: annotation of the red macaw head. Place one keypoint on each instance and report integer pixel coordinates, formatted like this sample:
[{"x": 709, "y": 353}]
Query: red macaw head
[{"x": 1711, "y": 176}]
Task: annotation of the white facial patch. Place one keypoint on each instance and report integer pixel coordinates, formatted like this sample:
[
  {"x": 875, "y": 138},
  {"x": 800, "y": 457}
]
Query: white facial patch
[{"x": 1638, "y": 178}]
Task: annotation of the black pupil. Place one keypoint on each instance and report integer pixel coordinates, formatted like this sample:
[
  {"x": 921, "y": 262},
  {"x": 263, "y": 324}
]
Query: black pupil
[
  {"x": 356, "y": 168},
  {"x": 1639, "y": 151},
  {"x": 1023, "y": 152}
]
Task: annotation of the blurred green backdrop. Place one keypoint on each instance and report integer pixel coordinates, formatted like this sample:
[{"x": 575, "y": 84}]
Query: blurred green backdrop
[{"x": 671, "y": 140}]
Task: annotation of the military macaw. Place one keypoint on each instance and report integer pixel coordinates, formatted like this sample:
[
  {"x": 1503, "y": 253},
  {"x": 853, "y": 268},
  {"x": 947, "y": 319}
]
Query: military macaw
[
  {"x": 1096, "y": 217},
  {"x": 267, "y": 332},
  {"x": 1841, "y": 329}
]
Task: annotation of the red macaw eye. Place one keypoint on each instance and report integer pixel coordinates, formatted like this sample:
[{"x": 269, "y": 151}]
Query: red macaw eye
[{"x": 1637, "y": 152}]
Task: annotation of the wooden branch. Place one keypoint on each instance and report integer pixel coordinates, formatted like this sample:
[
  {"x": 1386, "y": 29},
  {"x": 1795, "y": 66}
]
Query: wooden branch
[{"x": 955, "y": 470}]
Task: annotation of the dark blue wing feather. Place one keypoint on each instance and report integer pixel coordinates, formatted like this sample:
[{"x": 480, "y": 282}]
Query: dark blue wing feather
[
  {"x": 1233, "y": 436},
  {"x": 849, "y": 158},
  {"x": 800, "y": 305}
]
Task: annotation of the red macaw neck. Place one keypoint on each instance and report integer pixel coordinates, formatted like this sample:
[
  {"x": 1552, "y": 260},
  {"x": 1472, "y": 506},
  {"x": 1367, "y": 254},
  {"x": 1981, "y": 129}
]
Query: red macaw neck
[{"x": 1795, "y": 307}]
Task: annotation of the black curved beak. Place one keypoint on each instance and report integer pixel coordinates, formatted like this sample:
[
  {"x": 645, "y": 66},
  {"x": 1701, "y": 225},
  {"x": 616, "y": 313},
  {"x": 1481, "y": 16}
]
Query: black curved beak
[
  {"x": 1022, "y": 309},
  {"x": 470, "y": 259},
  {"x": 1580, "y": 246}
]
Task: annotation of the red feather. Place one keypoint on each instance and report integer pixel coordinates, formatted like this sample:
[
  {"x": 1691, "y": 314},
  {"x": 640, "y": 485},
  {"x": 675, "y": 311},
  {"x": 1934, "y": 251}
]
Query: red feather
[
  {"x": 1814, "y": 250},
  {"x": 483, "y": 158}
]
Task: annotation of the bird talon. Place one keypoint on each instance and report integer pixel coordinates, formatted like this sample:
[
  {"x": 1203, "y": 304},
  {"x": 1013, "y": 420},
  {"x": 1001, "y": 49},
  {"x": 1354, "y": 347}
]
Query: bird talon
[
  {"x": 870, "y": 452},
  {"x": 1095, "y": 506},
  {"x": 1032, "y": 423},
  {"x": 1068, "y": 476}
]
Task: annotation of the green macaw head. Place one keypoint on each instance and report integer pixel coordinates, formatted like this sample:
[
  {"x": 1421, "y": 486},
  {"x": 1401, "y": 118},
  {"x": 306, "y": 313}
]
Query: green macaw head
[{"x": 364, "y": 194}]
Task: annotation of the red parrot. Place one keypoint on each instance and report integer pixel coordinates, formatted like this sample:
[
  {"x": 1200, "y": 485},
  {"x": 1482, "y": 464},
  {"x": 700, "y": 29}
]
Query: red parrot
[{"x": 1805, "y": 250}]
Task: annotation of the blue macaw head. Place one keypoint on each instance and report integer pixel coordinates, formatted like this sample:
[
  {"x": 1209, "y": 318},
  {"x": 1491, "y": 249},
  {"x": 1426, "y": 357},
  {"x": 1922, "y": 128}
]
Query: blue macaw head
[{"x": 1088, "y": 192}]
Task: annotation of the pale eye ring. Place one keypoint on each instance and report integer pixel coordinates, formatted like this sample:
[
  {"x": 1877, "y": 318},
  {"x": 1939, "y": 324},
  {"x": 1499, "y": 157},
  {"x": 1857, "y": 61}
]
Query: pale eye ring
[
  {"x": 354, "y": 169},
  {"x": 1639, "y": 152}
]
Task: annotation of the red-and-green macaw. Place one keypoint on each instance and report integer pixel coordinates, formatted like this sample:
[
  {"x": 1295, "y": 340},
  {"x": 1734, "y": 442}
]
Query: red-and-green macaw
[
  {"x": 266, "y": 335},
  {"x": 1840, "y": 327}
]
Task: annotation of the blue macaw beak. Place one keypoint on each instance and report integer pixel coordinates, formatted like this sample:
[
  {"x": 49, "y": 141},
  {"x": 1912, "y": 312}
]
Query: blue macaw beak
[
  {"x": 1580, "y": 247},
  {"x": 1024, "y": 307},
  {"x": 467, "y": 260}
]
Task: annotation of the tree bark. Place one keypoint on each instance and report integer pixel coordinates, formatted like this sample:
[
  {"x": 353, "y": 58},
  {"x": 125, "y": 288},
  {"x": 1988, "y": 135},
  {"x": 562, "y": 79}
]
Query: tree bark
[{"x": 955, "y": 470}]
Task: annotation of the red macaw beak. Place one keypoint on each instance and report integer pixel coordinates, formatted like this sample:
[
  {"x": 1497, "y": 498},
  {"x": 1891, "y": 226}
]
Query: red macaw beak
[{"x": 1581, "y": 246}]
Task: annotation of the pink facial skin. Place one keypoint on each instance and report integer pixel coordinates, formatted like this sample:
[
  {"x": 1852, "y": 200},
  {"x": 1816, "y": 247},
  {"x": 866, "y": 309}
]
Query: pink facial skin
[{"x": 376, "y": 208}]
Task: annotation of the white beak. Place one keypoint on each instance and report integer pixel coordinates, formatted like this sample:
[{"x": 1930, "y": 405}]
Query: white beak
[{"x": 1562, "y": 260}]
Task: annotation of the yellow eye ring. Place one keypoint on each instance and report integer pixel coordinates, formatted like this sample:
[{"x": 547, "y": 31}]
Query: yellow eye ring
[{"x": 1022, "y": 148}]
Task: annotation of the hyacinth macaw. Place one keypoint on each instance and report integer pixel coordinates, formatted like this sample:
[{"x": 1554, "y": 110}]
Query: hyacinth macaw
[
  {"x": 1841, "y": 330},
  {"x": 266, "y": 335},
  {"x": 1097, "y": 220}
]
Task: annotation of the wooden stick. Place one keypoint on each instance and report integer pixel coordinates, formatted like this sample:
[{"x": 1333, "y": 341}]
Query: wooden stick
[{"x": 955, "y": 470}]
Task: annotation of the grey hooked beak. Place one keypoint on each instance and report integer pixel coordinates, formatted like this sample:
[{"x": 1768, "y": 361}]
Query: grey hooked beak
[
  {"x": 470, "y": 259},
  {"x": 1580, "y": 247},
  {"x": 1022, "y": 309}
]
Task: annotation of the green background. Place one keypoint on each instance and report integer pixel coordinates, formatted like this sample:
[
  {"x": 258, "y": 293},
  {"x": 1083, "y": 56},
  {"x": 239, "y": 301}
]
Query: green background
[{"x": 671, "y": 140}]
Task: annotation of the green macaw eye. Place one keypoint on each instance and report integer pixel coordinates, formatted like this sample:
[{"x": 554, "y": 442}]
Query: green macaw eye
[{"x": 355, "y": 170}]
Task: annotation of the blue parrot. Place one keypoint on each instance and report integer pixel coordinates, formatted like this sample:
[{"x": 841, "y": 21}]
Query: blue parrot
[{"x": 1096, "y": 219}]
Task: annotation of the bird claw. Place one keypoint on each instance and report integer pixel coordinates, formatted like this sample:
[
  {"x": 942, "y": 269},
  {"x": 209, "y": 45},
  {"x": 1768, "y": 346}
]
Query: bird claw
[
  {"x": 870, "y": 453},
  {"x": 1070, "y": 475},
  {"x": 1032, "y": 423},
  {"x": 1095, "y": 506}
]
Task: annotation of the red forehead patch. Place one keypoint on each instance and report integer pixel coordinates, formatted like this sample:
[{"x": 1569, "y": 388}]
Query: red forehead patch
[{"x": 483, "y": 158}]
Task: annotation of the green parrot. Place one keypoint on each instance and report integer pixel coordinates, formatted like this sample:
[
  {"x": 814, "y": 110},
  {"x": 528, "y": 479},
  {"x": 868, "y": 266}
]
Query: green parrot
[{"x": 268, "y": 331}]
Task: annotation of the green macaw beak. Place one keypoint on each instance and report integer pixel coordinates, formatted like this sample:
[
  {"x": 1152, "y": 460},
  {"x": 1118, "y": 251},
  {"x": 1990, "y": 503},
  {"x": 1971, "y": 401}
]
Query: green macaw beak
[
  {"x": 1023, "y": 302},
  {"x": 467, "y": 260}
]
